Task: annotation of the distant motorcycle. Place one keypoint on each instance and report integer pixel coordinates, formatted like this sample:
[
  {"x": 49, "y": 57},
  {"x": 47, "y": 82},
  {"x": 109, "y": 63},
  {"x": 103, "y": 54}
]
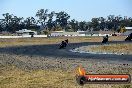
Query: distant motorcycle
[
  {"x": 66, "y": 41},
  {"x": 105, "y": 39},
  {"x": 63, "y": 44},
  {"x": 129, "y": 37}
]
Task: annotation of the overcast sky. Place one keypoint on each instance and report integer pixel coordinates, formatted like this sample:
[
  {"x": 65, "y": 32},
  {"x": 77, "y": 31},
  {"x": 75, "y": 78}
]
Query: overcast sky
[{"x": 77, "y": 9}]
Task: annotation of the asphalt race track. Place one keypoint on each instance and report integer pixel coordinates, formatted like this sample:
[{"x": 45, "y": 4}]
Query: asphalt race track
[{"x": 53, "y": 50}]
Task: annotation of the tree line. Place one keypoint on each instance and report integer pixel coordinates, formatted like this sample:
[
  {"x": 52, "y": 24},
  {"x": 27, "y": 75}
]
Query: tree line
[{"x": 53, "y": 21}]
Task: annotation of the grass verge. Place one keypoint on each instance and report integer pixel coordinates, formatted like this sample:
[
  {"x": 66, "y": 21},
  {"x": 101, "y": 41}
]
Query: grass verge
[
  {"x": 13, "y": 77},
  {"x": 111, "y": 48},
  {"x": 53, "y": 40}
]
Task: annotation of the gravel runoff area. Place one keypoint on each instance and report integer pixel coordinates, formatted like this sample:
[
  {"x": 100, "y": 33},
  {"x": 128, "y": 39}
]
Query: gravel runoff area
[
  {"x": 117, "y": 49},
  {"x": 50, "y": 57}
]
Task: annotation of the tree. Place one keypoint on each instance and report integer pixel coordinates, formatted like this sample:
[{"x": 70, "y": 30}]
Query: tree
[
  {"x": 11, "y": 23},
  {"x": 73, "y": 25},
  {"x": 95, "y": 24},
  {"x": 50, "y": 23},
  {"x": 15, "y": 23},
  {"x": 2, "y": 25},
  {"x": 62, "y": 19},
  {"x": 83, "y": 26},
  {"x": 42, "y": 15},
  {"x": 7, "y": 20},
  {"x": 122, "y": 30},
  {"x": 102, "y": 23},
  {"x": 30, "y": 21}
]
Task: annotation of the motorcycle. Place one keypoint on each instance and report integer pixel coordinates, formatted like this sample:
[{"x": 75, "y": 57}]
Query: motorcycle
[
  {"x": 105, "y": 39},
  {"x": 63, "y": 44},
  {"x": 129, "y": 37}
]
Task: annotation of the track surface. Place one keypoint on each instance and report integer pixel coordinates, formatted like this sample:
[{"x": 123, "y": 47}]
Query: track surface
[{"x": 53, "y": 51}]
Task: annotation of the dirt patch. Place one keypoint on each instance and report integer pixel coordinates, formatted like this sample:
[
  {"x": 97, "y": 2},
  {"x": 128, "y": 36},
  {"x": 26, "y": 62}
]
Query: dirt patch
[{"x": 119, "y": 49}]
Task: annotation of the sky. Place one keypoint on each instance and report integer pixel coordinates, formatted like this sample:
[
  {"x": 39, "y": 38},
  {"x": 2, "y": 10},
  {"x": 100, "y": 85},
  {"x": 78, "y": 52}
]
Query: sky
[{"x": 81, "y": 10}]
